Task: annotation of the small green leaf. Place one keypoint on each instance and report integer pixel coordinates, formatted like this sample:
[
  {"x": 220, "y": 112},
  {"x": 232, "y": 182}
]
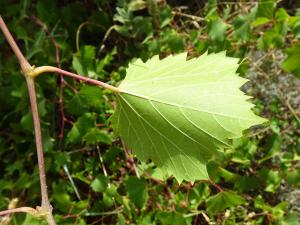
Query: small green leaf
[
  {"x": 165, "y": 16},
  {"x": 174, "y": 41},
  {"x": 260, "y": 21},
  {"x": 291, "y": 64},
  {"x": 137, "y": 191},
  {"x": 293, "y": 176},
  {"x": 290, "y": 219},
  {"x": 271, "y": 178},
  {"x": 79, "y": 129},
  {"x": 87, "y": 97},
  {"x": 242, "y": 27},
  {"x": 121, "y": 220},
  {"x": 107, "y": 200},
  {"x": 217, "y": 29},
  {"x": 90, "y": 95},
  {"x": 136, "y": 5},
  {"x": 31, "y": 220},
  {"x": 95, "y": 135},
  {"x": 222, "y": 200},
  {"x": 171, "y": 218},
  {"x": 279, "y": 210},
  {"x": 100, "y": 183},
  {"x": 83, "y": 61},
  {"x": 247, "y": 183},
  {"x": 266, "y": 8},
  {"x": 272, "y": 148},
  {"x": 27, "y": 122}
]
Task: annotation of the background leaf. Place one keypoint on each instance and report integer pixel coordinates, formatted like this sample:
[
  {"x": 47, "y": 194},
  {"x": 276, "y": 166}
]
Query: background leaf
[
  {"x": 223, "y": 200},
  {"x": 137, "y": 191}
]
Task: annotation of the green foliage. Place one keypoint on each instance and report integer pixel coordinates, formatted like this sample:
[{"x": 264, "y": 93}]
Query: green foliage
[
  {"x": 291, "y": 64},
  {"x": 137, "y": 191},
  {"x": 219, "y": 202},
  {"x": 91, "y": 178},
  {"x": 100, "y": 183}
]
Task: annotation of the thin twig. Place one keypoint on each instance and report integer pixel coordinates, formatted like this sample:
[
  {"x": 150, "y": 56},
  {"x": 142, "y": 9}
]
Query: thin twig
[
  {"x": 101, "y": 161},
  {"x": 214, "y": 185},
  {"x": 79, "y": 30},
  {"x": 45, "y": 69},
  {"x": 292, "y": 111},
  {"x": 197, "y": 18},
  {"x": 104, "y": 39},
  {"x": 66, "y": 169}
]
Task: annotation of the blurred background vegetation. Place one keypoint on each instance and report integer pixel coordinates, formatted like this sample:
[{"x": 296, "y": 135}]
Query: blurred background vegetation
[{"x": 92, "y": 177}]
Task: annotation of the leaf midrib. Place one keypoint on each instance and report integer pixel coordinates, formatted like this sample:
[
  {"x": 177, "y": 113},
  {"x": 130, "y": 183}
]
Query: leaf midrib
[{"x": 180, "y": 106}]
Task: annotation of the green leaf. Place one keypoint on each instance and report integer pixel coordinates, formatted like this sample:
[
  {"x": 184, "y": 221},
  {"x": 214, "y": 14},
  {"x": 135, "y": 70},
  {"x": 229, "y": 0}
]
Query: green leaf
[
  {"x": 94, "y": 136},
  {"x": 273, "y": 148},
  {"x": 137, "y": 191},
  {"x": 291, "y": 64},
  {"x": 242, "y": 27},
  {"x": 91, "y": 96},
  {"x": 178, "y": 113},
  {"x": 30, "y": 220},
  {"x": 100, "y": 183},
  {"x": 37, "y": 47},
  {"x": 247, "y": 183},
  {"x": 272, "y": 179},
  {"x": 290, "y": 219},
  {"x": 171, "y": 218},
  {"x": 223, "y": 200},
  {"x": 266, "y": 8},
  {"x": 217, "y": 29},
  {"x": 27, "y": 122},
  {"x": 165, "y": 16},
  {"x": 83, "y": 61},
  {"x": 293, "y": 176},
  {"x": 279, "y": 210},
  {"x": 174, "y": 41},
  {"x": 80, "y": 128},
  {"x": 136, "y": 5},
  {"x": 84, "y": 99},
  {"x": 260, "y": 21}
]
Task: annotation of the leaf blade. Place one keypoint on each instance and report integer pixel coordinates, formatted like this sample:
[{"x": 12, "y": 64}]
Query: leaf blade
[{"x": 178, "y": 113}]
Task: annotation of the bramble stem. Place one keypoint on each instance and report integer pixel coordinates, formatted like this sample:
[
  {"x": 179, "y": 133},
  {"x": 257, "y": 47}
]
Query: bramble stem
[
  {"x": 26, "y": 69},
  {"x": 38, "y": 135},
  {"x": 44, "y": 69},
  {"x": 46, "y": 206}
]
